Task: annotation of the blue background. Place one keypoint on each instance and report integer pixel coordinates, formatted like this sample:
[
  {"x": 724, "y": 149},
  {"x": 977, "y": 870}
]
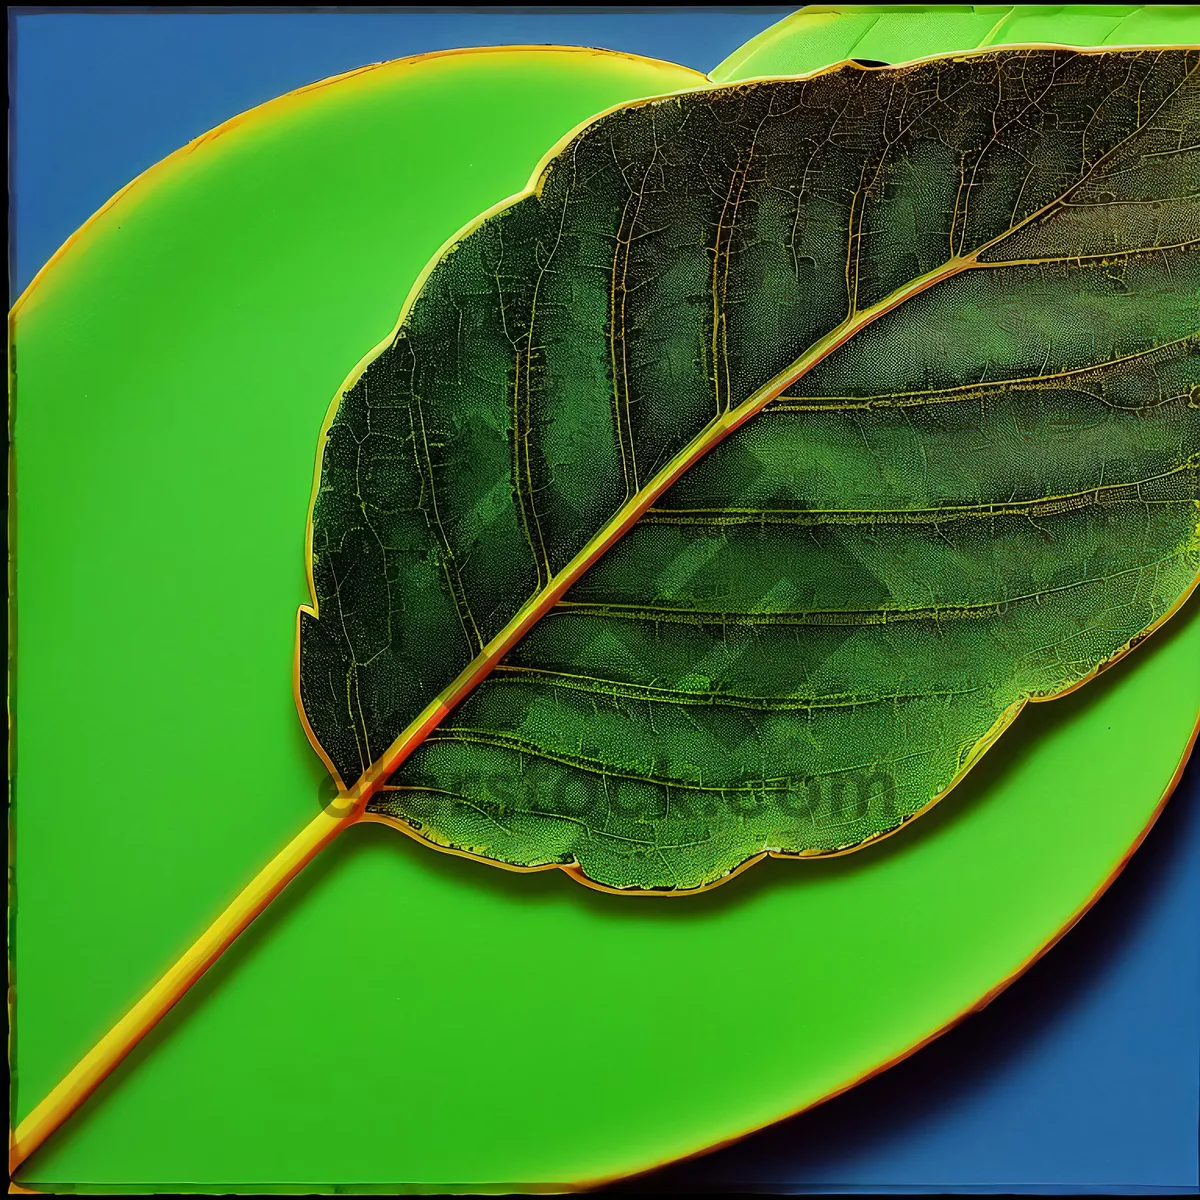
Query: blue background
[{"x": 1084, "y": 1076}]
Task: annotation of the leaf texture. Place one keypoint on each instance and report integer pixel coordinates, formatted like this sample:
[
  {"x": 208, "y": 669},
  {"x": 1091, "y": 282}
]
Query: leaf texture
[{"x": 729, "y": 492}]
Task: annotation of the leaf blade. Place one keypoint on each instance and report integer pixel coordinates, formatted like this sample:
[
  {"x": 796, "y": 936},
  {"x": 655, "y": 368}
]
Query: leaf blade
[{"x": 511, "y": 357}]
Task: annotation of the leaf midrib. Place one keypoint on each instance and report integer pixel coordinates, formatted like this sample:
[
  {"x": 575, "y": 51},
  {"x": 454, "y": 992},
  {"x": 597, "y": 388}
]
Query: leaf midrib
[{"x": 709, "y": 437}]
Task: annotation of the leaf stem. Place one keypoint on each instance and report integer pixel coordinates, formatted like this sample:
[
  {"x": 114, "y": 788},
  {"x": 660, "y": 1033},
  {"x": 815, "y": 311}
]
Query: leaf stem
[{"x": 96, "y": 1065}]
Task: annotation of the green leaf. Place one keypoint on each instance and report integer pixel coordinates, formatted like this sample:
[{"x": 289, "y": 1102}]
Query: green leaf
[
  {"x": 730, "y": 491},
  {"x": 820, "y": 34}
]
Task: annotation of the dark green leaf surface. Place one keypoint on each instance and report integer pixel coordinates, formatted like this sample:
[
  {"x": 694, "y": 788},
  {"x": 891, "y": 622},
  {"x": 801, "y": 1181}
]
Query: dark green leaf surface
[{"x": 962, "y": 299}]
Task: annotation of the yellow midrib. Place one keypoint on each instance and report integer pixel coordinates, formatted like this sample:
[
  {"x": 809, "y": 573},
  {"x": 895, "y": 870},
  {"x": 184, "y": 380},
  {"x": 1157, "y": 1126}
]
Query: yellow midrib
[
  {"x": 713, "y": 433},
  {"x": 617, "y": 525}
]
